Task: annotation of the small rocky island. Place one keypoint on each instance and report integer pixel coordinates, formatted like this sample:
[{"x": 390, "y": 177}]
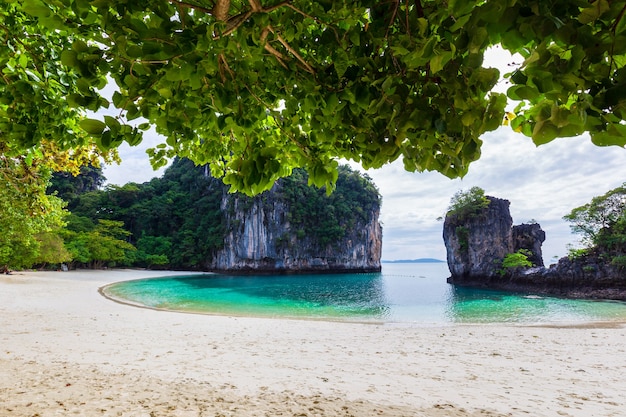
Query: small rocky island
[{"x": 481, "y": 240}]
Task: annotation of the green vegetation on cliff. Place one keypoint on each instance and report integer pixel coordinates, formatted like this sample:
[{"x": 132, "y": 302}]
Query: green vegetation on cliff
[
  {"x": 176, "y": 221},
  {"x": 172, "y": 221},
  {"x": 467, "y": 204},
  {"x": 326, "y": 218}
]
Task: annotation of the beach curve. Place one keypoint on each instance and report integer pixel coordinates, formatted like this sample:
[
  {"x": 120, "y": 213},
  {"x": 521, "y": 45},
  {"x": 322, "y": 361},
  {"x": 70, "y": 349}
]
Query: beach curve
[{"x": 67, "y": 350}]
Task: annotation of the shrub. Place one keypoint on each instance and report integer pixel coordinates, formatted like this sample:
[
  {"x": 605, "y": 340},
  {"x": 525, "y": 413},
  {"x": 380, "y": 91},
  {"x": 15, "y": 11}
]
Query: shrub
[
  {"x": 467, "y": 204},
  {"x": 462, "y": 233},
  {"x": 518, "y": 259},
  {"x": 619, "y": 262},
  {"x": 576, "y": 253}
]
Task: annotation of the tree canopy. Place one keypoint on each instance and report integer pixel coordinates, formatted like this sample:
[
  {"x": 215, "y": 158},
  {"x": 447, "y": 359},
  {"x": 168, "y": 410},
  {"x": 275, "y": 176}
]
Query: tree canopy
[
  {"x": 29, "y": 218},
  {"x": 602, "y": 225},
  {"x": 466, "y": 204},
  {"x": 257, "y": 88},
  {"x": 602, "y": 219}
]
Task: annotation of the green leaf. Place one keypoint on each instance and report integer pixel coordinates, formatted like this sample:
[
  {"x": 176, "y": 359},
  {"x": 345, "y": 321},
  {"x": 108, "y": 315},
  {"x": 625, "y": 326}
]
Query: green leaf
[
  {"x": 594, "y": 11},
  {"x": 23, "y": 60},
  {"x": 105, "y": 140},
  {"x": 92, "y": 126},
  {"x": 518, "y": 77},
  {"x": 68, "y": 58},
  {"x": 460, "y": 22},
  {"x": 165, "y": 92},
  {"x": 422, "y": 26},
  {"x": 544, "y": 132},
  {"x": 341, "y": 62},
  {"x": 522, "y": 92},
  {"x": 478, "y": 36},
  {"x": 439, "y": 61},
  {"x": 36, "y": 8},
  {"x": 615, "y": 135},
  {"x": 112, "y": 123},
  {"x": 80, "y": 46}
]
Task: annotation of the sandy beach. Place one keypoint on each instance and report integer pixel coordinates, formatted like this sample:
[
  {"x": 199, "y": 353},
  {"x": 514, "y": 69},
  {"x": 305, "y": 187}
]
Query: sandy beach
[{"x": 66, "y": 350}]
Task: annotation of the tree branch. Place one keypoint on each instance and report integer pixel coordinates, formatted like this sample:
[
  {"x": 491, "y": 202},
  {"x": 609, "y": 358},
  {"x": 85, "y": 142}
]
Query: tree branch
[
  {"x": 295, "y": 53},
  {"x": 256, "y": 6},
  {"x": 233, "y": 23},
  {"x": 618, "y": 19},
  {"x": 221, "y": 9},
  {"x": 393, "y": 17},
  {"x": 191, "y": 6},
  {"x": 223, "y": 65},
  {"x": 420, "y": 9},
  {"x": 269, "y": 48}
]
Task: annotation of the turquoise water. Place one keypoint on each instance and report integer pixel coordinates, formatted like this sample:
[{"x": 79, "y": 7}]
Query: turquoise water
[{"x": 402, "y": 293}]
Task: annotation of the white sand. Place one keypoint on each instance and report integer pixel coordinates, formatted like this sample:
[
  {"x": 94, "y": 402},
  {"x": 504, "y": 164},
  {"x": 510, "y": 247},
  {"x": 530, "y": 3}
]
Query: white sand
[{"x": 66, "y": 350}]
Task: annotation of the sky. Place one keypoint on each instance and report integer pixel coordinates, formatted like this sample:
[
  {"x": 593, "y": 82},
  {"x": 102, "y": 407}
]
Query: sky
[{"x": 542, "y": 184}]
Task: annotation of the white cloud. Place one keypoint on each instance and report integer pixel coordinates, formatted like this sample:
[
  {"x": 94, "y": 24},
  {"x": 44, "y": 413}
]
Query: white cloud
[{"x": 135, "y": 166}]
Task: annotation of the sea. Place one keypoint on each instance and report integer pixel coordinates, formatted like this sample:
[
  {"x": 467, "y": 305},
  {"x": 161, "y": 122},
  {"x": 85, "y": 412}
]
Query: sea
[{"x": 403, "y": 293}]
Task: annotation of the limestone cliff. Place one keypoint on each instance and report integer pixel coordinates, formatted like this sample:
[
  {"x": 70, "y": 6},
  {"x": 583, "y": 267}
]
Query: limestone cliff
[
  {"x": 529, "y": 237},
  {"x": 267, "y": 234},
  {"x": 477, "y": 244}
]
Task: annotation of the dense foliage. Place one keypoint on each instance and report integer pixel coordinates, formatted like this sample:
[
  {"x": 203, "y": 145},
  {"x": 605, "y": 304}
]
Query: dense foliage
[
  {"x": 30, "y": 218},
  {"x": 26, "y": 213},
  {"x": 66, "y": 185},
  {"x": 602, "y": 225},
  {"x": 256, "y": 88},
  {"x": 466, "y": 204},
  {"x": 173, "y": 221},
  {"x": 515, "y": 260},
  {"x": 326, "y": 218},
  {"x": 176, "y": 221}
]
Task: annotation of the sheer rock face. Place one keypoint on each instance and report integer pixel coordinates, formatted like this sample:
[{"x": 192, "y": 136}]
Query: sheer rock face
[
  {"x": 476, "y": 245},
  {"x": 260, "y": 239},
  {"x": 529, "y": 237}
]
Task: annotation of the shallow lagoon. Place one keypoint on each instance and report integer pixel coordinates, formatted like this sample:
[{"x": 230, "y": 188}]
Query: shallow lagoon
[{"x": 402, "y": 293}]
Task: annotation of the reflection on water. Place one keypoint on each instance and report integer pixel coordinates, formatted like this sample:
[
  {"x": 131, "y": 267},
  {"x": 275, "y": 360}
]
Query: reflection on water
[
  {"x": 483, "y": 306},
  {"x": 402, "y": 293}
]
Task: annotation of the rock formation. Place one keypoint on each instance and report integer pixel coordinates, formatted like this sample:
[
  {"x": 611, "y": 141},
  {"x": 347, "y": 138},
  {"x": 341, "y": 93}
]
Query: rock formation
[
  {"x": 529, "y": 236},
  {"x": 477, "y": 245},
  {"x": 262, "y": 238}
]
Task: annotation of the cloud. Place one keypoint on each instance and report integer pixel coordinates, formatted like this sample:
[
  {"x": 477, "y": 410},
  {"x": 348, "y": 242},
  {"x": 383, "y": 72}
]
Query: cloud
[
  {"x": 542, "y": 183},
  {"x": 135, "y": 166}
]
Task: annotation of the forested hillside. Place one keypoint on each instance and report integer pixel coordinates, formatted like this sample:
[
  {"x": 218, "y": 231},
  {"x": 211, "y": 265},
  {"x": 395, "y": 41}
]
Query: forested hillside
[{"x": 177, "y": 221}]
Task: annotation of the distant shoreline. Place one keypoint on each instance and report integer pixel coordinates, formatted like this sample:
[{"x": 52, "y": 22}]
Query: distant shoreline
[{"x": 413, "y": 261}]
